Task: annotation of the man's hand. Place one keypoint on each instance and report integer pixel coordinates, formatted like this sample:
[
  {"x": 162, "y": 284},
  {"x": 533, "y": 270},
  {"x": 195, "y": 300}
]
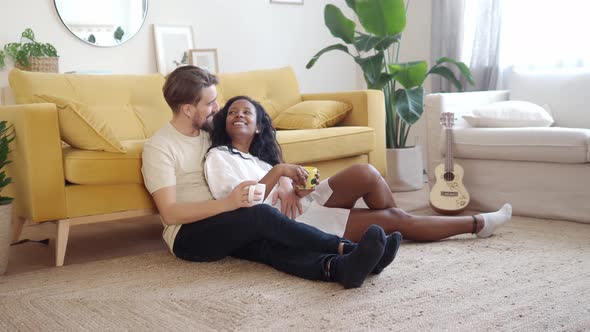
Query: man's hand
[
  {"x": 290, "y": 201},
  {"x": 238, "y": 198}
]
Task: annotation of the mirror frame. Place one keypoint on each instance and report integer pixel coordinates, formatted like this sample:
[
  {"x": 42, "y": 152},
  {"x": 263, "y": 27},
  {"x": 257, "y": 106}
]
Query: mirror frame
[{"x": 95, "y": 45}]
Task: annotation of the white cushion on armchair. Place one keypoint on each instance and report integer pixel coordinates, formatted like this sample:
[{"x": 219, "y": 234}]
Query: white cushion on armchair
[
  {"x": 554, "y": 145},
  {"x": 510, "y": 113}
]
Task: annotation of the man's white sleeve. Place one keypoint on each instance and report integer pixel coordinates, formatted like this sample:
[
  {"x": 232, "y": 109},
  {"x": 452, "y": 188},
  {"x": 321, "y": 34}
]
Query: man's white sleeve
[{"x": 157, "y": 167}]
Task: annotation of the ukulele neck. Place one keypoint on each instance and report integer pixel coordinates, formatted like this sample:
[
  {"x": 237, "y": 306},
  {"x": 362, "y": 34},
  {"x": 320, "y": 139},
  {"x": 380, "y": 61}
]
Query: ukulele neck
[{"x": 449, "y": 157}]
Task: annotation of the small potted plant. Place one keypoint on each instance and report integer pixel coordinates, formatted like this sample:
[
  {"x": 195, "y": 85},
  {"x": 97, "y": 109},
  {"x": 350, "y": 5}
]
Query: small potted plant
[
  {"x": 29, "y": 54},
  {"x": 6, "y": 136}
]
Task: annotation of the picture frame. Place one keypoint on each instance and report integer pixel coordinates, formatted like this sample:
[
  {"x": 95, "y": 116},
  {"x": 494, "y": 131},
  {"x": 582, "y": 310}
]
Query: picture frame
[
  {"x": 205, "y": 58},
  {"x": 172, "y": 44},
  {"x": 288, "y": 2}
]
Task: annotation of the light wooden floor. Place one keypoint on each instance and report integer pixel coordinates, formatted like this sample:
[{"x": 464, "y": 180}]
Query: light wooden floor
[{"x": 118, "y": 239}]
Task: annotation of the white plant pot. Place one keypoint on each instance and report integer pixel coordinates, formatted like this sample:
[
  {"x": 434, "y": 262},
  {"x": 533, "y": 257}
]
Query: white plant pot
[
  {"x": 5, "y": 223},
  {"x": 405, "y": 169}
]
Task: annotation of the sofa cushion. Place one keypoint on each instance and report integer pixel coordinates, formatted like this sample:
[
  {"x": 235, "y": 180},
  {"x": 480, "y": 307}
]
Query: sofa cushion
[
  {"x": 299, "y": 146},
  {"x": 565, "y": 91},
  {"x": 81, "y": 127},
  {"x": 312, "y": 114},
  {"x": 120, "y": 119},
  {"x": 99, "y": 167},
  {"x": 309, "y": 145},
  {"x": 550, "y": 144},
  {"x": 510, "y": 113},
  {"x": 275, "y": 89},
  {"x": 132, "y": 95}
]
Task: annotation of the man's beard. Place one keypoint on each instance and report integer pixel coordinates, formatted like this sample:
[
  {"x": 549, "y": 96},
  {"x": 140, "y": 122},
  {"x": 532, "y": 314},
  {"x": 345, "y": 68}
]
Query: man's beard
[{"x": 206, "y": 126}]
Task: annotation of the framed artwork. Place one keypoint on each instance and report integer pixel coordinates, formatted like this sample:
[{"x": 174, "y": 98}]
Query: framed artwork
[
  {"x": 172, "y": 46},
  {"x": 205, "y": 58},
  {"x": 289, "y": 2}
]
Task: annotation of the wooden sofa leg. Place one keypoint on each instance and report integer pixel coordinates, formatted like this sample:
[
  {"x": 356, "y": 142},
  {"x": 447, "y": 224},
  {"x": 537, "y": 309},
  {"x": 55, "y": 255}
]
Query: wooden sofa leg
[
  {"x": 17, "y": 227},
  {"x": 63, "y": 230}
]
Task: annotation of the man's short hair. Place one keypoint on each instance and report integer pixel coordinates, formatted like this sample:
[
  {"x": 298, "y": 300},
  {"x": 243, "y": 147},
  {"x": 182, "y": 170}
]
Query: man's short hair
[{"x": 184, "y": 86}]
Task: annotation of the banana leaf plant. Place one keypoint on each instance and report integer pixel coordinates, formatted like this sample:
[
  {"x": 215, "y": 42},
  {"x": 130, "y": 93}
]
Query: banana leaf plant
[
  {"x": 376, "y": 51},
  {"x": 7, "y": 135}
]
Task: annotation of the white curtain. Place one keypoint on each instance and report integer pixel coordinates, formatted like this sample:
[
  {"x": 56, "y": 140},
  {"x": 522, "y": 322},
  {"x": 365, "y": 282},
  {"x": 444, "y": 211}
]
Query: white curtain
[
  {"x": 496, "y": 35},
  {"x": 447, "y": 24}
]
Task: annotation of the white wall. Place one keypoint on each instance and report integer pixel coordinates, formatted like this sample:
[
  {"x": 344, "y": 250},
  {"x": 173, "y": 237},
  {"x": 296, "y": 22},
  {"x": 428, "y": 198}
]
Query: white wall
[{"x": 248, "y": 34}]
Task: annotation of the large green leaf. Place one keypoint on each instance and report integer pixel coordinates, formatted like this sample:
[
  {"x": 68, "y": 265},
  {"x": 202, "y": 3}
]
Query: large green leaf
[
  {"x": 2, "y": 63},
  {"x": 447, "y": 74},
  {"x": 381, "y": 17},
  {"x": 335, "y": 47},
  {"x": 350, "y": 4},
  {"x": 364, "y": 42},
  {"x": 463, "y": 69},
  {"x": 410, "y": 74},
  {"x": 410, "y": 104},
  {"x": 340, "y": 26},
  {"x": 386, "y": 42},
  {"x": 372, "y": 69}
]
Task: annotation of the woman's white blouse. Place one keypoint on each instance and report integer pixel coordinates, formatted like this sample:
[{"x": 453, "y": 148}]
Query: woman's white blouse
[{"x": 225, "y": 170}]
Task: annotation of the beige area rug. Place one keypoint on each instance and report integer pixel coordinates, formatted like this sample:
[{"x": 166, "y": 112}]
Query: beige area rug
[{"x": 534, "y": 275}]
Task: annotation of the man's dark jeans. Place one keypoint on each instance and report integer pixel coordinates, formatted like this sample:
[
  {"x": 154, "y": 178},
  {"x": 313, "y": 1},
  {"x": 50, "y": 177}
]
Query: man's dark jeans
[{"x": 260, "y": 234}]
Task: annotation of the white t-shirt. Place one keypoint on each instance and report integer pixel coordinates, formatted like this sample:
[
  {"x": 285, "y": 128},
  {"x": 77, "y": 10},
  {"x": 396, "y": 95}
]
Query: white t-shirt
[
  {"x": 170, "y": 158},
  {"x": 225, "y": 170}
]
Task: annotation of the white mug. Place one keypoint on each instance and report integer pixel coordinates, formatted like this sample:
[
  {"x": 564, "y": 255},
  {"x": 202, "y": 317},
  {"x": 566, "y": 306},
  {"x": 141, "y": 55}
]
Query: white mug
[{"x": 257, "y": 187}]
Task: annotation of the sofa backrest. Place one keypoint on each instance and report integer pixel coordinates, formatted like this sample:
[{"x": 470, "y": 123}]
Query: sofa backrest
[
  {"x": 276, "y": 89},
  {"x": 129, "y": 102},
  {"x": 565, "y": 92}
]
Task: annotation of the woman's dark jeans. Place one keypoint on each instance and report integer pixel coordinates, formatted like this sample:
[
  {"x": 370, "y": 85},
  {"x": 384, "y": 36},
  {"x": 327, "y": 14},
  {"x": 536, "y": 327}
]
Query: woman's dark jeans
[{"x": 260, "y": 234}]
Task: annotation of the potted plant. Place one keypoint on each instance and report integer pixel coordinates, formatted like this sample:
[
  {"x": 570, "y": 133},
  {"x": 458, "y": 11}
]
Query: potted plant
[
  {"x": 376, "y": 51},
  {"x": 29, "y": 54},
  {"x": 6, "y": 136}
]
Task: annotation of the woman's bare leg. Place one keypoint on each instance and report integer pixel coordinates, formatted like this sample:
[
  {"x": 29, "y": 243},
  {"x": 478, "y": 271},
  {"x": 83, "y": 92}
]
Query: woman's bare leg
[
  {"x": 416, "y": 228},
  {"x": 360, "y": 181}
]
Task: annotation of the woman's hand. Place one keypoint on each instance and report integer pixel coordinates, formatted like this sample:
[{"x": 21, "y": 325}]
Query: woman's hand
[
  {"x": 304, "y": 192},
  {"x": 295, "y": 172},
  {"x": 290, "y": 201},
  {"x": 238, "y": 198}
]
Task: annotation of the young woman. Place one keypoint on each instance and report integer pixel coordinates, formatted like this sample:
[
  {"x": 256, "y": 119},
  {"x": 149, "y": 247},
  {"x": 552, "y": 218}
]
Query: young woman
[{"x": 244, "y": 147}]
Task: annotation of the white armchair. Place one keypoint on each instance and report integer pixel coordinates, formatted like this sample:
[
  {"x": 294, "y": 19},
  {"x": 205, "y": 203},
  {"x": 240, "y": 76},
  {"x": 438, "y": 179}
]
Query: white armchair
[{"x": 543, "y": 171}]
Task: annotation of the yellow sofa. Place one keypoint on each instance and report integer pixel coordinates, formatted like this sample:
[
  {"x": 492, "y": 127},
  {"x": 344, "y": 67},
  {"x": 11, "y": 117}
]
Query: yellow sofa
[{"x": 69, "y": 186}]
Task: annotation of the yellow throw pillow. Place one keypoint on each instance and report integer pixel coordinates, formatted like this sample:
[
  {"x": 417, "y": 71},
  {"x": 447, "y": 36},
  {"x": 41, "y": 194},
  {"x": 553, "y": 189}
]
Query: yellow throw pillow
[
  {"x": 80, "y": 127},
  {"x": 312, "y": 114}
]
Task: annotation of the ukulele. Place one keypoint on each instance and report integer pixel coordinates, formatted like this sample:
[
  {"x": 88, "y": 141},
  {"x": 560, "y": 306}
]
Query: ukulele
[{"x": 448, "y": 195}]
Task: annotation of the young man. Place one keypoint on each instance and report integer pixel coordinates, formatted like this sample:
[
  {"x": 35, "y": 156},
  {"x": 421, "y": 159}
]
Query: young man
[{"x": 198, "y": 228}]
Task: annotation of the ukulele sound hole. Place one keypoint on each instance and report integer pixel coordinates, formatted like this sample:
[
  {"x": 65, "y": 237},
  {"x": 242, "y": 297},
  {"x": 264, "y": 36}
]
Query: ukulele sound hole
[{"x": 449, "y": 176}]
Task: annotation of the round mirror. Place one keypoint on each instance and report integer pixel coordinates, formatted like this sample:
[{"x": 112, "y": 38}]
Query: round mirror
[{"x": 102, "y": 22}]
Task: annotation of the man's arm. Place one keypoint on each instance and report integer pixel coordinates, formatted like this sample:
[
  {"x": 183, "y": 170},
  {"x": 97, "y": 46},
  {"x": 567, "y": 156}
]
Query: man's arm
[{"x": 174, "y": 213}]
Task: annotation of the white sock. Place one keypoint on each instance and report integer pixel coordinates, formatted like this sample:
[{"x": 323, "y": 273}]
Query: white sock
[{"x": 494, "y": 220}]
